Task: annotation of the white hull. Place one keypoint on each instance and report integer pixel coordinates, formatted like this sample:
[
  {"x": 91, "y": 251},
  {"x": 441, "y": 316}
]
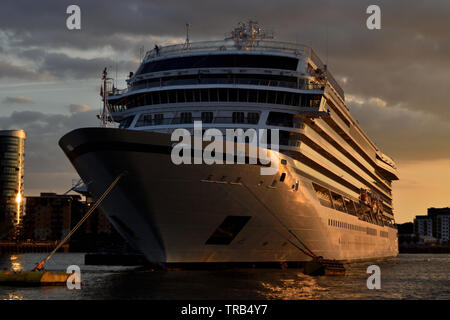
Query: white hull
[{"x": 170, "y": 211}]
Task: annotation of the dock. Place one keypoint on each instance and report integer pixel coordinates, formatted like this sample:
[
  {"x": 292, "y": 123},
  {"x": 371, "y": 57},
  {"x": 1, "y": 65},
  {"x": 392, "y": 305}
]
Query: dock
[
  {"x": 424, "y": 249},
  {"x": 30, "y": 247}
]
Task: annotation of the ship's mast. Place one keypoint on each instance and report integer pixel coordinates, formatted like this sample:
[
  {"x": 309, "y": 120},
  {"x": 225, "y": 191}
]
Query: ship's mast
[
  {"x": 106, "y": 116},
  {"x": 187, "y": 44}
]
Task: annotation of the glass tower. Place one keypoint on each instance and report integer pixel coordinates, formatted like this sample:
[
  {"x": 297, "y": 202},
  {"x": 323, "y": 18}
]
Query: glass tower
[{"x": 12, "y": 155}]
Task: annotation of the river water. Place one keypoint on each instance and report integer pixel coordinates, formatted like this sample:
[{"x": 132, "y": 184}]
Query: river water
[{"x": 409, "y": 276}]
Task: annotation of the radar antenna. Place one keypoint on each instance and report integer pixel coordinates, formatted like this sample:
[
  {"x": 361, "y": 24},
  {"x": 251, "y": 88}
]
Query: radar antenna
[{"x": 247, "y": 34}]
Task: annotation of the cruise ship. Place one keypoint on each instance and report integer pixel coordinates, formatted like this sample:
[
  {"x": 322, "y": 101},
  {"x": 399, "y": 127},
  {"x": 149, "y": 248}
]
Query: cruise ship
[{"x": 330, "y": 196}]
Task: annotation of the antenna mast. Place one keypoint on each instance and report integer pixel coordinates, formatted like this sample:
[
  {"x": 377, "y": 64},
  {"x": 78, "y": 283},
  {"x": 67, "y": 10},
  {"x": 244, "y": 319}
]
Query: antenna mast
[
  {"x": 187, "y": 44},
  {"x": 106, "y": 116}
]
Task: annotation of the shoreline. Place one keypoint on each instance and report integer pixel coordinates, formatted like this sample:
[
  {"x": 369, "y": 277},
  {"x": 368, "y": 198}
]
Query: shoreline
[{"x": 424, "y": 249}]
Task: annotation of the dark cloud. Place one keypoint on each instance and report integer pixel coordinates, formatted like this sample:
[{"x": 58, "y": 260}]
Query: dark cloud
[
  {"x": 62, "y": 66},
  {"x": 11, "y": 71},
  {"x": 18, "y": 100},
  {"x": 404, "y": 134},
  {"x": 36, "y": 55},
  {"x": 401, "y": 63}
]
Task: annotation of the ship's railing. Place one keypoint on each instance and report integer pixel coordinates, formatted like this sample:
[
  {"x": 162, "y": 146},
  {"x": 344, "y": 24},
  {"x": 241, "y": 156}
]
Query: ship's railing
[
  {"x": 223, "y": 45},
  {"x": 335, "y": 85},
  {"x": 116, "y": 92},
  {"x": 256, "y": 82},
  {"x": 315, "y": 58}
]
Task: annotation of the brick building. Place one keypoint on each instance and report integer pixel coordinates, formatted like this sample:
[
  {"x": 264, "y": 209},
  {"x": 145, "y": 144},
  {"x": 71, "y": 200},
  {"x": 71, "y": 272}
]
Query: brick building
[{"x": 48, "y": 216}]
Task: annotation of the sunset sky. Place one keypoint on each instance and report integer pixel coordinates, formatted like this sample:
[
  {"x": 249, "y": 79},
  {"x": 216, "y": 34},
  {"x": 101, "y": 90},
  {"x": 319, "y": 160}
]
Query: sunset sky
[{"x": 396, "y": 79}]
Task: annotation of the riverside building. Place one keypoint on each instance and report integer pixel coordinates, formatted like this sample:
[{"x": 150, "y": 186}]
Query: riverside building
[{"x": 12, "y": 155}]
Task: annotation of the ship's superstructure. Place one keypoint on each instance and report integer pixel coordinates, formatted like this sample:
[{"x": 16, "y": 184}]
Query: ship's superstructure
[{"x": 332, "y": 189}]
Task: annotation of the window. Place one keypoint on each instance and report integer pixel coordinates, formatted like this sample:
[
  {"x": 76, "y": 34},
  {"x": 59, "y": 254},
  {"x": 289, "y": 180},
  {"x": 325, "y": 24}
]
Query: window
[
  {"x": 324, "y": 195},
  {"x": 284, "y": 137},
  {"x": 159, "y": 118},
  {"x": 295, "y": 187},
  {"x": 155, "y": 97},
  {"x": 294, "y": 140},
  {"x": 144, "y": 120},
  {"x": 359, "y": 209},
  {"x": 189, "y": 94},
  {"x": 238, "y": 117},
  {"x": 222, "y": 61},
  {"x": 172, "y": 96},
  {"x": 186, "y": 117},
  {"x": 314, "y": 101},
  {"x": 181, "y": 96},
  {"x": 126, "y": 122},
  {"x": 253, "y": 117},
  {"x": 207, "y": 117},
  {"x": 217, "y": 94},
  {"x": 223, "y": 94},
  {"x": 349, "y": 205},
  {"x": 213, "y": 94},
  {"x": 147, "y": 119},
  {"x": 280, "y": 119},
  {"x": 252, "y": 96},
  {"x": 197, "y": 97},
  {"x": 338, "y": 201},
  {"x": 204, "y": 95},
  {"x": 233, "y": 95}
]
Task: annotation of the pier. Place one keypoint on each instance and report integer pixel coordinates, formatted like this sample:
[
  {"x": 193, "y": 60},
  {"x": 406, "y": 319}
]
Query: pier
[
  {"x": 424, "y": 249},
  {"x": 30, "y": 247}
]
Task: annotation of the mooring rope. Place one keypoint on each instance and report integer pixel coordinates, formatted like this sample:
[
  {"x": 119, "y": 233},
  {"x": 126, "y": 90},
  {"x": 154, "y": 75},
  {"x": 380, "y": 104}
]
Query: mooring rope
[
  {"x": 306, "y": 251},
  {"x": 96, "y": 204}
]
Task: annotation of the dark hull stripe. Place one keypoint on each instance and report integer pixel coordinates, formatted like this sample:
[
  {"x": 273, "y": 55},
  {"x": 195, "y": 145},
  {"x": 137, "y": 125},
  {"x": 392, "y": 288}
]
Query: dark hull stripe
[
  {"x": 133, "y": 147},
  {"x": 116, "y": 146}
]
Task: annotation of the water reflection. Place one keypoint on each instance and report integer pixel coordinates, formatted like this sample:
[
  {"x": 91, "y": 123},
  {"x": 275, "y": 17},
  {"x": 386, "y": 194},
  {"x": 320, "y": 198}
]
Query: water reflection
[
  {"x": 301, "y": 287},
  {"x": 407, "y": 277},
  {"x": 16, "y": 264},
  {"x": 12, "y": 296}
]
